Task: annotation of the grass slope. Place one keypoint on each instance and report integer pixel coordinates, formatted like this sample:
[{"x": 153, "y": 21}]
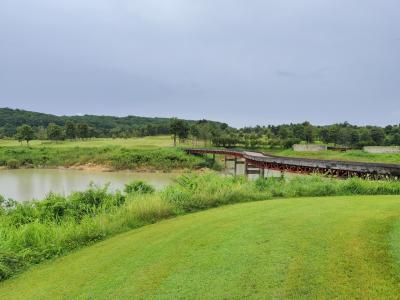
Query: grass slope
[
  {"x": 352, "y": 155},
  {"x": 136, "y": 153},
  {"x": 295, "y": 248}
]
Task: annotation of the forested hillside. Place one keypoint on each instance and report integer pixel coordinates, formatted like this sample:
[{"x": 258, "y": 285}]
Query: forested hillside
[{"x": 99, "y": 126}]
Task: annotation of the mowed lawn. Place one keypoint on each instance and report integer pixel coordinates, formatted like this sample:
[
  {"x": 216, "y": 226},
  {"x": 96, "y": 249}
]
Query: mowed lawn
[
  {"x": 345, "y": 247},
  {"x": 149, "y": 142},
  {"x": 351, "y": 155}
]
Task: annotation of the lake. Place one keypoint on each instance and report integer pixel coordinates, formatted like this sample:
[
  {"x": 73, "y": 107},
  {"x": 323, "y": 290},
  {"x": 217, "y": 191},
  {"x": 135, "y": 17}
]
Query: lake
[{"x": 28, "y": 184}]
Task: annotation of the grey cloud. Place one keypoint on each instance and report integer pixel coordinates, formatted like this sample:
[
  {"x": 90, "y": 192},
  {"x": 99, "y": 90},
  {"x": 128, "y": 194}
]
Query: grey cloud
[
  {"x": 313, "y": 74},
  {"x": 243, "y": 62}
]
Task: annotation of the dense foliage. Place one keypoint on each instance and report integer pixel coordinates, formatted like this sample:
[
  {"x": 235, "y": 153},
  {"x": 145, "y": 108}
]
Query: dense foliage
[{"x": 31, "y": 232}]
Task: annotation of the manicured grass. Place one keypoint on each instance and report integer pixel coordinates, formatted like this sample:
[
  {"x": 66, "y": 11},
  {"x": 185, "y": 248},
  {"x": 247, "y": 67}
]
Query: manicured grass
[
  {"x": 33, "y": 232},
  {"x": 352, "y": 155},
  {"x": 345, "y": 247},
  {"x": 150, "y": 142}
]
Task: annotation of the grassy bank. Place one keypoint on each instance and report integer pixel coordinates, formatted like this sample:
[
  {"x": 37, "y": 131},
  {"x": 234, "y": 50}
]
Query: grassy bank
[
  {"x": 352, "y": 155},
  {"x": 134, "y": 153},
  {"x": 308, "y": 248},
  {"x": 114, "y": 157},
  {"x": 36, "y": 231}
]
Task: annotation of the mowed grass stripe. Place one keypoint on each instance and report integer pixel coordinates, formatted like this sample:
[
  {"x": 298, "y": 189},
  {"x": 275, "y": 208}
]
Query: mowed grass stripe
[{"x": 293, "y": 248}]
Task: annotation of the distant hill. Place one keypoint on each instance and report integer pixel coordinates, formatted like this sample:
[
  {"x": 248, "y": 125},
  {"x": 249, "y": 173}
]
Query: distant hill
[{"x": 10, "y": 119}]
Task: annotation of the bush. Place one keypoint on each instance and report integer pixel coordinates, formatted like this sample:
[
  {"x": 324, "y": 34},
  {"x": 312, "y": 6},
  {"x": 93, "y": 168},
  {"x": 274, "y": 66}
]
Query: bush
[
  {"x": 13, "y": 164},
  {"x": 138, "y": 187}
]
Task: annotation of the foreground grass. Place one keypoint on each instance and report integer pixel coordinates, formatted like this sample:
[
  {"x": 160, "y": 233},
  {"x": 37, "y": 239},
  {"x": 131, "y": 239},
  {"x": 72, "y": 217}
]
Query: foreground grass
[
  {"x": 345, "y": 247},
  {"x": 33, "y": 232},
  {"x": 352, "y": 155}
]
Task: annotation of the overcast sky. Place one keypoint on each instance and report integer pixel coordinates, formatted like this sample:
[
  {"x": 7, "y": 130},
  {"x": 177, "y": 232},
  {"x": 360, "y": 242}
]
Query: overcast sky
[{"x": 244, "y": 62}]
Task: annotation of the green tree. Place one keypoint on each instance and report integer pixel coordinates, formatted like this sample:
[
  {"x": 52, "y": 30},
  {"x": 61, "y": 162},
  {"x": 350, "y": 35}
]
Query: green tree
[
  {"x": 179, "y": 129},
  {"x": 70, "y": 130},
  {"x": 195, "y": 133},
  {"x": 365, "y": 138},
  {"x": 308, "y": 132},
  {"x": 82, "y": 130},
  {"x": 55, "y": 132},
  {"x": 344, "y": 136},
  {"x": 377, "y": 135},
  {"x": 25, "y": 133},
  {"x": 396, "y": 139},
  {"x": 324, "y": 135},
  {"x": 41, "y": 133}
]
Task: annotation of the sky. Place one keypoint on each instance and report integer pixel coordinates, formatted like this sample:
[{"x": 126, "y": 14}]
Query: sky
[{"x": 242, "y": 62}]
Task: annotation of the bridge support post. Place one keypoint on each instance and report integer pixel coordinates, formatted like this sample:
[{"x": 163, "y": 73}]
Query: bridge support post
[
  {"x": 237, "y": 163},
  {"x": 262, "y": 173},
  {"x": 253, "y": 169}
]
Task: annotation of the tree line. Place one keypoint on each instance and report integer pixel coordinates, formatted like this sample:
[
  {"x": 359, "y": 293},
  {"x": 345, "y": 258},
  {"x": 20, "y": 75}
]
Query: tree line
[
  {"x": 284, "y": 136},
  {"x": 99, "y": 126},
  {"x": 200, "y": 133},
  {"x": 206, "y": 133}
]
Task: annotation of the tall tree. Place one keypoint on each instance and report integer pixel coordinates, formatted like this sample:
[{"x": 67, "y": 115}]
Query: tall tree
[
  {"x": 82, "y": 130},
  {"x": 70, "y": 130},
  {"x": 55, "y": 132},
  {"x": 25, "y": 133},
  {"x": 377, "y": 135},
  {"x": 175, "y": 127}
]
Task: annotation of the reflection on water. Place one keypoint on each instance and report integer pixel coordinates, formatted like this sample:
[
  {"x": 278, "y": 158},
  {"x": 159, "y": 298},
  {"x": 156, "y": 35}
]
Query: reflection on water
[
  {"x": 267, "y": 173},
  {"x": 28, "y": 184},
  {"x": 24, "y": 185}
]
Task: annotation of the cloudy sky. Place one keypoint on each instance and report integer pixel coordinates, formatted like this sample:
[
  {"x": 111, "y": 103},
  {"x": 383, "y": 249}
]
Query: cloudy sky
[{"x": 244, "y": 62}]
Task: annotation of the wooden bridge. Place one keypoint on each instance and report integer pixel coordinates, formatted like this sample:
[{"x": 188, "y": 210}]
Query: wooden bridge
[{"x": 256, "y": 163}]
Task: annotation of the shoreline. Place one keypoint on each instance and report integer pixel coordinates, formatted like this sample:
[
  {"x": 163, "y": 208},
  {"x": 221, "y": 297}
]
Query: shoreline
[{"x": 104, "y": 168}]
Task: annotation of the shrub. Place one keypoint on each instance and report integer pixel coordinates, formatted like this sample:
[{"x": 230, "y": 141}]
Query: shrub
[
  {"x": 13, "y": 164},
  {"x": 138, "y": 187}
]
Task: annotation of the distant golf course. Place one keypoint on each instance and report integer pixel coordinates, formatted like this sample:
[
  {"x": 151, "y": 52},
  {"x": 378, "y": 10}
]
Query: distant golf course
[{"x": 333, "y": 247}]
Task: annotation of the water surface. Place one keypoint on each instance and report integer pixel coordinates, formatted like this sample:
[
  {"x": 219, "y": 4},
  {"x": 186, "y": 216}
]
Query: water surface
[{"x": 28, "y": 184}]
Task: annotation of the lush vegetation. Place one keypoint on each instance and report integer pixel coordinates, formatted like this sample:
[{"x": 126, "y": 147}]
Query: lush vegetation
[
  {"x": 309, "y": 248},
  {"x": 113, "y": 156},
  {"x": 32, "y": 232}
]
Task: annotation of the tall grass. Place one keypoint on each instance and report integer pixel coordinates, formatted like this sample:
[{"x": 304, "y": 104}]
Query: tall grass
[{"x": 36, "y": 231}]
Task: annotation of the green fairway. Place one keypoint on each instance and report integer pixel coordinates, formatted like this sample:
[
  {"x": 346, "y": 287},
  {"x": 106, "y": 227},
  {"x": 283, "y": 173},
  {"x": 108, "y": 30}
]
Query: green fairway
[
  {"x": 346, "y": 247},
  {"x": 149, "y": 142},
  {"x": 351, "y": 155}
]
